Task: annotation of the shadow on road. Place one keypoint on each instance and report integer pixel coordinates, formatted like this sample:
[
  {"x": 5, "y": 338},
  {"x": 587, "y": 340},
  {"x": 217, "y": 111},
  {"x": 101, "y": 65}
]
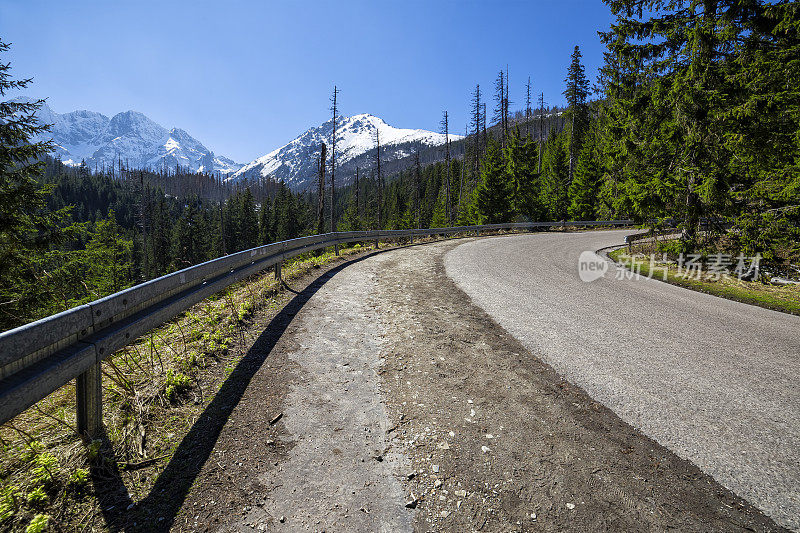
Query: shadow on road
[{"x": 158, "y": 510}]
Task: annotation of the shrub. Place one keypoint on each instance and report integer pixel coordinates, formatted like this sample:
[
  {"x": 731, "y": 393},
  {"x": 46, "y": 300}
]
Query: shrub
[{"x": 38, "y": 524}]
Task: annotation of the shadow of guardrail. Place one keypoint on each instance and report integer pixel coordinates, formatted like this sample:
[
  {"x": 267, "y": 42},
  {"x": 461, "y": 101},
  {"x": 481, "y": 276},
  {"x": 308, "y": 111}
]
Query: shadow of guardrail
[{"x": 158, "y": 510}]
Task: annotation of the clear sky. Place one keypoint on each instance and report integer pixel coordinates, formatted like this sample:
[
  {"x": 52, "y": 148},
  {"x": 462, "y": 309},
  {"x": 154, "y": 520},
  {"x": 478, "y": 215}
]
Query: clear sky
[{"x": 245, "y": 77}]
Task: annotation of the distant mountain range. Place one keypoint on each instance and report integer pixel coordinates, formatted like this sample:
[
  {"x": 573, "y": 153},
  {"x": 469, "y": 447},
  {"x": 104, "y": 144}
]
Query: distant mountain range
[
  {"x": 140, "y": 142},
  {"x": 296, "y": 163},
  {"x": 130, "y": 137}
]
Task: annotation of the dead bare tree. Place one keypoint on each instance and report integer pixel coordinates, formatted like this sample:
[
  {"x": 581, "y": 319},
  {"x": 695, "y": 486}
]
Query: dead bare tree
[
  {"x": 335, "y": 110},
  {"x": 321, "y": 189},
  {"x": 448, "y": 204},
  {"x": 379, "y": 177}
]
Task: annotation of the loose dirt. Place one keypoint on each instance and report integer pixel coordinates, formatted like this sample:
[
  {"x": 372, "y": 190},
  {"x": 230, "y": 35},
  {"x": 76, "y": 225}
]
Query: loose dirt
[{"x": 381, "y": 398}]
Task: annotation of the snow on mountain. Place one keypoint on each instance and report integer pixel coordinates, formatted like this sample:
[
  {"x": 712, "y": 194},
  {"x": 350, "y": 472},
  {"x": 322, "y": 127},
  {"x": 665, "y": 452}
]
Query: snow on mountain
[
  {"x": 128, "y": 136},
  {"x": 296, "y": 162}
]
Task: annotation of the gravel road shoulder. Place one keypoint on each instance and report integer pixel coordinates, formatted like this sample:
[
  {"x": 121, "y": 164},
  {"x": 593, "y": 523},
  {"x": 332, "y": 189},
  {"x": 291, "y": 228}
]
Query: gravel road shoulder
[{"x": 499, "y": 442}]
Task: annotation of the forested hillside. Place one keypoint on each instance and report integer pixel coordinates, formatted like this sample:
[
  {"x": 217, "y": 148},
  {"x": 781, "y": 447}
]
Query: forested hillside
[{"x": 696, "y": 115}]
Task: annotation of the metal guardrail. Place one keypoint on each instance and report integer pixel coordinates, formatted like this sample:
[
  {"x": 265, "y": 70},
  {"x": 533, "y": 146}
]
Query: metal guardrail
[{"x": 38, "y": 358}]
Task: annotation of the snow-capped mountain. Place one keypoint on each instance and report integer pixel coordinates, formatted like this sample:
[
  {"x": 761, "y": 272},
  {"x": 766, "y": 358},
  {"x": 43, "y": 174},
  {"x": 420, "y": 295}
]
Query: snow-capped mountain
[
  {"x": 296, "y": 163},
  {"x": 130, "y": 137}
]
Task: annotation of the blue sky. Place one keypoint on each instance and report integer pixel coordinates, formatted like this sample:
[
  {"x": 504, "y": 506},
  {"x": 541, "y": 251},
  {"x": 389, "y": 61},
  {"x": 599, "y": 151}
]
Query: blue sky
[{"x": 245, "y": 77}]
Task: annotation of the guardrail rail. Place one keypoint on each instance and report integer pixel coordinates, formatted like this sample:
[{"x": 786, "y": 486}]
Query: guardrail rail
[{"x": 38, "y": 358}]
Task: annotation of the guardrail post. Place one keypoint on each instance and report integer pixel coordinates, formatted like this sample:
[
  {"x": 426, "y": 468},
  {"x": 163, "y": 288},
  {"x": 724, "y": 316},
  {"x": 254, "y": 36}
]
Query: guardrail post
[
  {"x": 336, "y": 248},
  {"x": 411, "y": 239},
  {"x": 376, "y": 244},
  {"x": 278, "y": 268},
  {"x": 89, "y": 402}
]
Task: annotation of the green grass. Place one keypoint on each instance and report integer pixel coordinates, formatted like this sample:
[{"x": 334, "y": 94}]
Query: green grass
[
  {"x": 158, "y": 384},
  {"x": 779, "y": 298}
]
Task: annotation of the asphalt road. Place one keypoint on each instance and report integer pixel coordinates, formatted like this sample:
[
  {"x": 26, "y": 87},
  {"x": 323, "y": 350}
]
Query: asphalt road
[{"x": 716, "y": 381}]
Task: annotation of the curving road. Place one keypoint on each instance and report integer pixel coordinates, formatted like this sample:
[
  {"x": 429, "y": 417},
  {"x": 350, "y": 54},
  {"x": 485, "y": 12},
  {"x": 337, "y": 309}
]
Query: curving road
[{"x": 716, "y": 381}]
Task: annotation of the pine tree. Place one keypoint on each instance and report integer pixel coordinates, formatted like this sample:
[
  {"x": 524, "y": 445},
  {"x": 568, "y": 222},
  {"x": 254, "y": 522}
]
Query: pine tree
[
  {"x": 232, "y": 225},
  {"x": 585, "y": 187},
  {"x": 287, "y": 225},
  {"x": 576, "y": 92},
  {"x": 27, "y": 228},
  {"x": 110, "y": 258},
  {"x": 248, "y": 220},
  {"x": 520, "y": 162},
  {"x": 668, "y": 83},
  {"x": 265, "y": 231},
  {"x": 187, "y": 248},
  {"x": 160, "y": 245},
  {"x": 493, "y": 193},
  {"x": 554, "y": 179}
]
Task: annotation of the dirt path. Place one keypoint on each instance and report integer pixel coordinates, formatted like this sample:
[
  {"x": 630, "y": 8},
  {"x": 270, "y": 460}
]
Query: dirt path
[
  {"x": 395, "y": 389},
  {"x": 305, "y": 448},
  {"x": 337, "y": 476}
]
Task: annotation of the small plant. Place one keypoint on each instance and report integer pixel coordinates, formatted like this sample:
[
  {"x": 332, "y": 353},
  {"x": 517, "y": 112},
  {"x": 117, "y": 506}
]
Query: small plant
[
  {"x": 8, "y": 502},
  {"x": 214, "y": 341},
  {"x": 37, "y": 497},
  {"x": 46, "y": 468},
  {"x": 93, "y": 451},
  {"x": 79, "y": 478},
  {"x": 33, "y": 451},
  {"x": 176, "y": 383},
  {"x": 189, "y": 361},
  {"x": 38, "y": 524},
  {"x": 245, "y": 311}
]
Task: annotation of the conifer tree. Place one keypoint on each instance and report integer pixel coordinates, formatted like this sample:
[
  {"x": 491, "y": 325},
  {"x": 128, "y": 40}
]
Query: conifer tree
[
  {"x": 357, "y": 190},
  {"x": 27, "y": 228},
  {"x": 668, "y": 87},
  {"x": 576, "y": 92},
  {"x": 248, "y": 221},
  {"x": 585, "y": 187},
  {"x": 494, "y": 194},
  {"x": 520, "y": 162},
  {"x": 187, "y": 249},
  {"x": 554, "y": 179},
  {"x": 110, "y": 257},
  {"x": 160, "y": 245},
  {"x": 265, "y": 223}
]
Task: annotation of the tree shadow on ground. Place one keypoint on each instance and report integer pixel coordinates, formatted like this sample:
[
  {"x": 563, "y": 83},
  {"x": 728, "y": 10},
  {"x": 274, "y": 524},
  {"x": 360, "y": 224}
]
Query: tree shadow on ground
[{"x": 158, "y": 510}]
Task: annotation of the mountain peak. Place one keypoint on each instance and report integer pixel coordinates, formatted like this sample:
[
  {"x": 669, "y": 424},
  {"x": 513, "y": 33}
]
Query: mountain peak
[
  {"x": 296, "y": 162},
  {"x": 129, "y": 136}
]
